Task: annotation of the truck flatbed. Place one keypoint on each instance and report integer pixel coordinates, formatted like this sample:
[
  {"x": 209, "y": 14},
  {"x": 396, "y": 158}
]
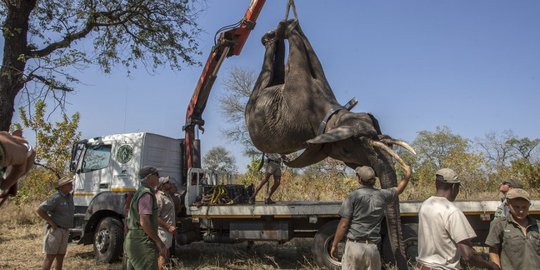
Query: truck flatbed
[{"x": 288, "y": 209}]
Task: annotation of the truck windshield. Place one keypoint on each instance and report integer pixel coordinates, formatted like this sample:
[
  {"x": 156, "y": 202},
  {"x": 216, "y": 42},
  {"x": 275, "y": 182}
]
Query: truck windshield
[{"x": 96, "y": 157}]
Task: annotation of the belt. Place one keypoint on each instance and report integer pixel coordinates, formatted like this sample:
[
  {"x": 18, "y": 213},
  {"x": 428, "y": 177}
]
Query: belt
[
  {"x": 365, "y": 241},
  {"x": 421, "y": 266}
]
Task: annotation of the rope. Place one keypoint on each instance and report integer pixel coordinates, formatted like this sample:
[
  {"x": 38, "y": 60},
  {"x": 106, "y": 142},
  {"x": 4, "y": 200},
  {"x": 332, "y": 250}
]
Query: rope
[{"x": 290, "y": 4}]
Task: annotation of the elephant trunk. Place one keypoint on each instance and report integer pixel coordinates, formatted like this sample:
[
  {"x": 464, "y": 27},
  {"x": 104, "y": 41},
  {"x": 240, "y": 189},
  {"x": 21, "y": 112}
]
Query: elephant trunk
[{"x": 383, "y": 165}]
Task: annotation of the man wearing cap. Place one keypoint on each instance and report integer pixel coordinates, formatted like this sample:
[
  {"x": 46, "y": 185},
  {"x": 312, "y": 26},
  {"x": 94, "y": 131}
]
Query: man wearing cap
[
  {"x": 166, "y": 217},
  {"x": 506, "y": 185},
  {"x": 361, "y": 215},
  {"x": 514, "y": 240},
  {"x": 444, "y": 234},
  {"x": 142, "y": 243},
  {"x": 57, "y": 211}
]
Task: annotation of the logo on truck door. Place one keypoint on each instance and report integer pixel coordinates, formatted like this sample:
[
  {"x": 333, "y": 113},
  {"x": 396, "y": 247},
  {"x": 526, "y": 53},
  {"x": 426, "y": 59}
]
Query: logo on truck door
[{"x": 124, "y": 153}]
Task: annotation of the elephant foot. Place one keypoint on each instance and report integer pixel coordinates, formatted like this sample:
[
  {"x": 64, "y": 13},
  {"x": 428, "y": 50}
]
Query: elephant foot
[{"x": 268, "y": 38}]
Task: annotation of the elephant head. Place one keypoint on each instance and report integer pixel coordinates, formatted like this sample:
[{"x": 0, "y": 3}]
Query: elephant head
[{"x": 292, "y": 107}]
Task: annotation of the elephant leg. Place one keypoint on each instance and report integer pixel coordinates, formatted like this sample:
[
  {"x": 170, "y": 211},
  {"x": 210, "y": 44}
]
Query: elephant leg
[
  {"x": 314, "y": 63},
  {"x": 311, "y": 155},
  {"x": 271, "y": 70}
]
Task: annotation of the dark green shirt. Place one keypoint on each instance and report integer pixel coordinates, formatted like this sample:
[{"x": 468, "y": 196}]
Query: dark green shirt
[
  {"x": 364, "y": 208},
  {"x": 516, "y": 250}
]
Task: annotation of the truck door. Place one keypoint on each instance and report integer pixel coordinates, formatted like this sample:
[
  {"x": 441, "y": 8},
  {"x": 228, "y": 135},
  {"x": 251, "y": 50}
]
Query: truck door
[{"x": 93, "y": 174}]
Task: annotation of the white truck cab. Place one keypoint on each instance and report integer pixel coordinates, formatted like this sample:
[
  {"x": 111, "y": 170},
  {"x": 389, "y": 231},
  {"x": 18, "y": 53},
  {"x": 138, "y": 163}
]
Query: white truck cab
[{"x": 105, "y": 171}]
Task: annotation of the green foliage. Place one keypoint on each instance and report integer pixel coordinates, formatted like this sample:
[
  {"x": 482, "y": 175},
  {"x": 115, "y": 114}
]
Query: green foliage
[
  {"x": 63, "y": 36},
  {"x": 219, "y": 159},
  {"x": 53, "y": 149}
]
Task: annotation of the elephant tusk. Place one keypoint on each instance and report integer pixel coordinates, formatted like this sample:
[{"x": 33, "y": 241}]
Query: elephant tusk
[
  {"x": 389, "y": 150},
  {"x": 400, "y": 143},
  {"x": 405, "y": 145}
]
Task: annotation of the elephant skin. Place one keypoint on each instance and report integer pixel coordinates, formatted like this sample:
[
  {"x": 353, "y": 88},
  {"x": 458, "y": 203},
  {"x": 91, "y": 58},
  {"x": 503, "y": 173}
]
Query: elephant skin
[{"x": 291, "y": 100}]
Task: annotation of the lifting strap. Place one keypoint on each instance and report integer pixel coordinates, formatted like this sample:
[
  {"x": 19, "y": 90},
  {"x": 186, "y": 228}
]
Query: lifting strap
[{"x": 290, "y": 3}]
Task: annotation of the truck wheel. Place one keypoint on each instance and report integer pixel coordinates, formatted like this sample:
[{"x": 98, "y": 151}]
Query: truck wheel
[
  {"x": 108, "y": 240},
  {"x": 322, "y": 244},
  {"x": 410, "y": 237}
]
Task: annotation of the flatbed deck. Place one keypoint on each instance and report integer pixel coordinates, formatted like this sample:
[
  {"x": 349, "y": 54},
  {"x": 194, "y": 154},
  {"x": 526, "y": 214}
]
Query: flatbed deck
[{"x": 291, "y": 209}]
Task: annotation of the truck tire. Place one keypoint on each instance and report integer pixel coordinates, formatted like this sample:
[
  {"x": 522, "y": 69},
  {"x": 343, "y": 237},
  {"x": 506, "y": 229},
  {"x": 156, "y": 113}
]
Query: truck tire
[
  {"x": 108, "y": 240},
  {"x": 322, "y": 244},
  {"x": 410, "y": 237}
]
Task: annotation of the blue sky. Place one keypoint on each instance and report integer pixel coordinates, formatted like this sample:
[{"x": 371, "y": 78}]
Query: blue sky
[{"x": 471, "y": 65}]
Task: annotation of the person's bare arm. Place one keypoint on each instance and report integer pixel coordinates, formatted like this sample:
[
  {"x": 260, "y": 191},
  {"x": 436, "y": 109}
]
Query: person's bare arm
[
  {"x": 471, "y": 257},
  {"x": 19, "y": 158},
  {"x": 341, "y": 230},
  {"x": 147, "y": 228},
  {"x": 405, "y": 180},
  {"x": 169, "y": 227},
  {"x": 494, "y": 255},
  {"x": 42, "y": 214}
]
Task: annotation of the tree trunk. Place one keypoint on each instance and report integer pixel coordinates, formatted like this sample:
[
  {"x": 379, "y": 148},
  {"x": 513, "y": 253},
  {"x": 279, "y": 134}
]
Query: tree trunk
[{"x": 15, "y": 30}]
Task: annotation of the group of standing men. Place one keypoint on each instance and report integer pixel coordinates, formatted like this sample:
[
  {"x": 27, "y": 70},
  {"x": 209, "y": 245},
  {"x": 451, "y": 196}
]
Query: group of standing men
[
  {"x": 151, "y": 221},
  {"x": 444, "y": 234}
]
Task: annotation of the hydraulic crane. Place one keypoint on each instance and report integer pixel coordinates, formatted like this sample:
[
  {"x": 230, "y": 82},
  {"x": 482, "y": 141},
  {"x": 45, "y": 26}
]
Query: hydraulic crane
[{"x": 230, "y": 41}]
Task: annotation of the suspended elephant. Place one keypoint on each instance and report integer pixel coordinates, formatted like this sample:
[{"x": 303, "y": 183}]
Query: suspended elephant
[{"x": 292, "y": 107}]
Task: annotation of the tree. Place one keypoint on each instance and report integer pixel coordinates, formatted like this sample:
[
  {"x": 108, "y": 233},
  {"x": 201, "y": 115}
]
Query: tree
[
  {"x": 53, "y": 149},
  {"x": 510, "y": 156},
  {"x": 442, "y": 148},
  {"x": 219, "y": 159},
  {"x": 238, "y": 85},
  {"x": 42, "y": 39}
]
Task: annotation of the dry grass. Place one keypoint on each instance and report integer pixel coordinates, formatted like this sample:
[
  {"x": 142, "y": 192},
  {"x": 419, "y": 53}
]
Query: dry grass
[{"x": 21, "y": 233}]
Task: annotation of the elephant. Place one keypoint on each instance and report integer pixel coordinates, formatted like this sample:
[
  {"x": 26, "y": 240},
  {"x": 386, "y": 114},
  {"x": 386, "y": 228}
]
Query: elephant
[{"x": 292, "y": 107}]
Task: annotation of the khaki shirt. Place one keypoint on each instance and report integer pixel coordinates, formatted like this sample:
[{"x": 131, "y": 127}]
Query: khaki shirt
[
  {"x": 516, "y": 250},
  {"x": 60, "y": 208},
  {"x": 364, "y": 208}
]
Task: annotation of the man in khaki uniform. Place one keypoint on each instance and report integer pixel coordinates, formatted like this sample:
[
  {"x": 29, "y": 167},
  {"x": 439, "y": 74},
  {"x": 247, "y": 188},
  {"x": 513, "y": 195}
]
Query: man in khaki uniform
[
  {"x": 444, "y": 234},
  {"x": 57, "y": 211},
  {"x": 272, "y": 168},
  {"x": 361, "y": 215},
  {"x": 514, "y": 240}
]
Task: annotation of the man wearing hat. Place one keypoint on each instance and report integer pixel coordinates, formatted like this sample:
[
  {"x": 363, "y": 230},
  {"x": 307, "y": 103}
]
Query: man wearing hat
[
  {"x": 142, "y": 243},
  {"x": 361, "y": 215},
  {"x": 506, "y": 185},
  {"x": 514, "y": 240},
  {"x": 444, "y": 234},
  {"x": 57, "y": 211},
  {"x": 166, "y": 217}
]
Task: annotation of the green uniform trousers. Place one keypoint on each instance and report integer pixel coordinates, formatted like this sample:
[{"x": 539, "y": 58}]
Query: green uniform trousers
[{"x": 141, "y": 251}]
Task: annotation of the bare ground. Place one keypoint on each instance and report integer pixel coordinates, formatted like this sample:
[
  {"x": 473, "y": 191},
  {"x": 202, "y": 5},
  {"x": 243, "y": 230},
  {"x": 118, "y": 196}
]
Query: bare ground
[{"x": 21, "y": 234}]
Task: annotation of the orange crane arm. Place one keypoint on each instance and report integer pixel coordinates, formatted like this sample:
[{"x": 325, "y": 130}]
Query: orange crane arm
[{"x": 230, "y": 42}]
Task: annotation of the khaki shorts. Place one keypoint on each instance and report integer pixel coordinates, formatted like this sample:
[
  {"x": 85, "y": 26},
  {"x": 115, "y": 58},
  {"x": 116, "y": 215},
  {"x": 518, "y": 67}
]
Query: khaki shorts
[
  {"x": 55, "y": 241},
  {"x": 166, "y": 237},
  {"x": 273, "y": 168},
  {"x": 360, "y": 256}
]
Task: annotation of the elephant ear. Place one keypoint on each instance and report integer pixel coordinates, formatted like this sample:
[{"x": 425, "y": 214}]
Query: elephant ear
[
  {"x": 311, "y": 155},
  {"x": 334, "y": 135}
]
